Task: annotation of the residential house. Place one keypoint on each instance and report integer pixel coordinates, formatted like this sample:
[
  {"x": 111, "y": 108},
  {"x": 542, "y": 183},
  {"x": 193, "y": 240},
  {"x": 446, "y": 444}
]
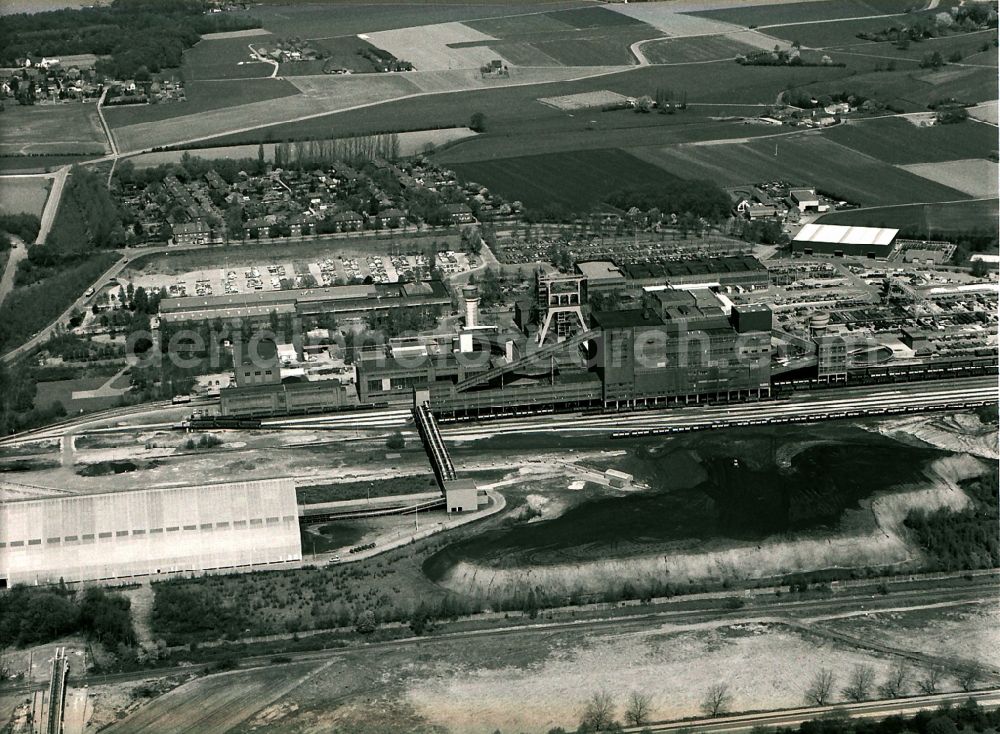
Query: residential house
[
  {"x": 256, "y": 229},
  {"x": 460, "y": 213},
  {"x": 191, "y": 233},
  {"x": 347, "y": 221},
  {"x": 390, "y": 219}
]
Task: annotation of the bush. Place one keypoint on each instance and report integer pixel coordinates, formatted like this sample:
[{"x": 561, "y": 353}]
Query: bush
[{"x": 395, "y": 442}]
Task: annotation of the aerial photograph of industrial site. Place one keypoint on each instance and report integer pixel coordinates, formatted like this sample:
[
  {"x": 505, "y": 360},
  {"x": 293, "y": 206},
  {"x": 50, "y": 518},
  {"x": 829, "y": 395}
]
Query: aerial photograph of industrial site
[{"x": 499, "y": 367}]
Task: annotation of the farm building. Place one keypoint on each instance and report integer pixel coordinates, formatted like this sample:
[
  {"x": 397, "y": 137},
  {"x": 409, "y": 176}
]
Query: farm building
[
  {"x": 835, "y": 239},
  {"x": 136, "y": 533}
]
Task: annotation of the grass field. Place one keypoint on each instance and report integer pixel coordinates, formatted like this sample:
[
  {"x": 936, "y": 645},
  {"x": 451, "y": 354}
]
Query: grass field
[
  {"x": 769, "y": 15},
  {"x": 40, "y": 163},
  {"x": 707, "y": 48},
  {"x": 571, "y": 179},
  {"x": 54, "y": 129},
  {"x": 943, "y": 219},
  {"x": 61, "y": 391},
  {"x": 225, "y": 58},
  {"x": 23, "y": 195},
  {"x": 805, "y": 160},
  {"x": 976, "y": 177},
  {"x": 897, "y": 141}
]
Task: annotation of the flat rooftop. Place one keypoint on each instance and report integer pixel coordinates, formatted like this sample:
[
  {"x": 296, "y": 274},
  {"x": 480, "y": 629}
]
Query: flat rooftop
[
  {"x": 836, "y": 234},
  {"x": 600, "y": 270},
  {"x": 693, "y": 266}
]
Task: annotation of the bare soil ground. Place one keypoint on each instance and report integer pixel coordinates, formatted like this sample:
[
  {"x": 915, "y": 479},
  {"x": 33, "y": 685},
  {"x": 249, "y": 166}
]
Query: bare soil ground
[
  {"x": 960, "y": 432},
  {"x": 966, "y": 633}
]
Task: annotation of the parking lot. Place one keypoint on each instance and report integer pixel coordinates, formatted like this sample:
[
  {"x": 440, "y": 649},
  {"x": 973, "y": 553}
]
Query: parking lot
[{"x": 343, "y": 269}]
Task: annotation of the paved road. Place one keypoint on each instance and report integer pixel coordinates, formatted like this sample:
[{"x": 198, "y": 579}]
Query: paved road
[
  {"x": 52, "y": 203},
  {"x": 18, "y": 252}
]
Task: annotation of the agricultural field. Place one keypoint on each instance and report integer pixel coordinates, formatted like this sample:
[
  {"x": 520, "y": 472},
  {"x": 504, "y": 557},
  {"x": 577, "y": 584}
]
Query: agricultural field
[
  {"x": 203, "y": 96},
  {"x": 913, "y": 89},
  {"x": 325, "y": 94},
  {"x": 895, "y": 140},
  {"x": 840, "y": 34},
  {"x": 23, "y": 195},
  {"x": 316, "y": 21},
  {"x": 344, "y": 53},
  {"x": 515, "y": 110},
  {"x": 801, "y": 159},
  {"x": 697, "y": 50},
  {"x": 61, "y": 129},
  {"x": 437, "y": 46},
  {"x": 572, "y": 179},
  {"x": 588, "y": 37},
  {"x": 803, "y": 12},
  {"x": 584, "y": 100},
  {"x": 942, "y": 219},
  {"x": 668, "y": 18},
  {"x": 226, "y": 58},
  {"x": 967, "y": 45},
  {"x": 976, "y": 177}
]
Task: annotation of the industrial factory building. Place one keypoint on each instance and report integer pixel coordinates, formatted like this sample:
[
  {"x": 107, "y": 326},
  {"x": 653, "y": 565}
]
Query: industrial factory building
[
  {"x": 94, "y": 537},
  {"x": 343, "y": 300},
  {"x": 834, "y": 239},
  {"x": 741, "y": 270}
]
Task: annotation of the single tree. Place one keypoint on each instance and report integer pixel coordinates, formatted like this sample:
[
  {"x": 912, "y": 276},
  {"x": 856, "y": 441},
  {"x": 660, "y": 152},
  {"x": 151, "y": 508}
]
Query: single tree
[
  {"x": 895, "y": 682},
  {"x": 477, "y": 123},
  {"x": 598, "y": 713},
  {"x": 638, "y": 707},
  {"x": 717, "y": 700},
  {"x": 366, "y": 622},
  {"x": 820, "y": 690},
  {"x": 929, "y": 683},
  {"x": 969, "y": 676},
  {"x": 859, "y": 687}
]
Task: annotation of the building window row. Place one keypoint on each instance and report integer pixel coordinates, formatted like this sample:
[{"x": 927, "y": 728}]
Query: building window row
[{"x": 254, "y": 522}]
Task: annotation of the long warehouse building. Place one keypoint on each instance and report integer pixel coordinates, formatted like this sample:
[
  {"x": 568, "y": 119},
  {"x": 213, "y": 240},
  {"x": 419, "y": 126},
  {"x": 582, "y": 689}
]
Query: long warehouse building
[
  {"x": 835, "y": 239},
  {"x": 113, "y": 535}
]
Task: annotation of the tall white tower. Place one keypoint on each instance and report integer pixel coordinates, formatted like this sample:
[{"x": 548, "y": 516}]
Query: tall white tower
[{"x": 471, "y": 295}]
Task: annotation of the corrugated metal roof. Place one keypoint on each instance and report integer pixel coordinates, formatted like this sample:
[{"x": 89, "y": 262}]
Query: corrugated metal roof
[{"x": 840, "y": 235}]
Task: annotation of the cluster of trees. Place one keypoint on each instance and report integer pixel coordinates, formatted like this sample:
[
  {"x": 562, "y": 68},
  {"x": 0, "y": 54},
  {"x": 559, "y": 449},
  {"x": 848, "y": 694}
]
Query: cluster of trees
[
  {"x": 964, "y": 539},
  {"x": 963, "y": 19},
  {"x": 190, "y": 168},
  {"x": 703, "y": 199},
  {"x": 490, "y": 288},
  {"x": 88, "y": 217},
  {"x": 137, "y": 37},
  {"x": 398, "y": 321},
  {"x": 33, "y": 615},
  {"x": 355, "y": 151},
  {"x": 25, "y": 226},
  {"x": 763, "y": 231}
]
